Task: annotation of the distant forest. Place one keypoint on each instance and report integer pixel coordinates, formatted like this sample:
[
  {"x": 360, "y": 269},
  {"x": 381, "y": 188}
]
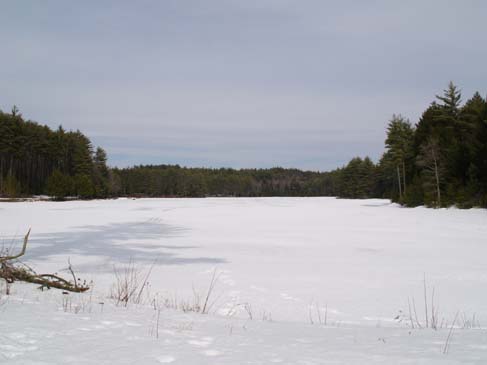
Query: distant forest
[{"x": 439, "y": 161}]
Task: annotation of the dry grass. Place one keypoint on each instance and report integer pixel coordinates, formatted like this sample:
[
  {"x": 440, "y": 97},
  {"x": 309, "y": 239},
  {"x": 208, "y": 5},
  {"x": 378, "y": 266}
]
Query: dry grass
[
  {"x": 433, "y": 318},
  {"x": 131, "y": 283},
  {"x": 431, "y": 312},
  {"x": 200, "y": 302},
  {"x": 318, "y": 314},
  {"x": 447, "y": 342},
  {"x": 77, "y": 302}
]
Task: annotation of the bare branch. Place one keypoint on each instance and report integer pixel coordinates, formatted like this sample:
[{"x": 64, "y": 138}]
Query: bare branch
[
  {"x": 24, "y": 247},
  {"x": 21, "y": 272}
]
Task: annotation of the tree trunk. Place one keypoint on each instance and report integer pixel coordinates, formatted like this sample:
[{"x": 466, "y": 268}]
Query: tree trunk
[
  {"x": 437, "y": 182},
  {"x": 404, "y": 176},
  {"x": 399, "y": 181}
]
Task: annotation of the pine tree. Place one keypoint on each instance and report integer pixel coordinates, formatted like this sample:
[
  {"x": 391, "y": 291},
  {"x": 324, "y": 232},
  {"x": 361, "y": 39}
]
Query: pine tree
[
  {"x": 100, "y": 161},
  {"x": 399, "y": 144},
  {"x": 84, "y": 186},
  {"x": 101, "y": 173},
  {"x": 59, "y": 185},
  {"x": 451, "y": 99}
]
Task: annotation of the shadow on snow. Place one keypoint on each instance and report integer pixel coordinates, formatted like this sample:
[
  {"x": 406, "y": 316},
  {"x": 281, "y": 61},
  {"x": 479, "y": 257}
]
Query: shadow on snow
[{"x": 118, "y": 242}]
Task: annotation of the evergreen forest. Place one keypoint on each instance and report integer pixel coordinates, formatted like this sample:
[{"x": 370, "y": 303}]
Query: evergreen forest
[{"x": 441, "y": 160}]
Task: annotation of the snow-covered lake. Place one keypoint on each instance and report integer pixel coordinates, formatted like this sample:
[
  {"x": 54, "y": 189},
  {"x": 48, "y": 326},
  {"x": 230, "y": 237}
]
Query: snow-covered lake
[{"x": 358, "y": 261}]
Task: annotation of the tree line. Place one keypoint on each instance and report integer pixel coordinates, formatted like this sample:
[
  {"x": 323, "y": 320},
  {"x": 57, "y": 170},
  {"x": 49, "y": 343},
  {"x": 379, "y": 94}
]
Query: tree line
[
  {"x": 176, "y": 181},
  {"x": 439, "y": 161},
  {"x": 37, "y": 160}
]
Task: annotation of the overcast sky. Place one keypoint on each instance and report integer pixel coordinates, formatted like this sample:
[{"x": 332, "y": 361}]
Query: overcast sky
[{"x": 249, "y": 83}]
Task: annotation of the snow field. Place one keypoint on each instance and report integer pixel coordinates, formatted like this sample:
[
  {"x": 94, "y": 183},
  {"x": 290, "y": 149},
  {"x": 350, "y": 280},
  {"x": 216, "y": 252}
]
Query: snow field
[{"x": 290, "y": 264}]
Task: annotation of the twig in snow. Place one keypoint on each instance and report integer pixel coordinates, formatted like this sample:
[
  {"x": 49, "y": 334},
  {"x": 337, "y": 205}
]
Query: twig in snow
[{"x": 447, "y": 342}]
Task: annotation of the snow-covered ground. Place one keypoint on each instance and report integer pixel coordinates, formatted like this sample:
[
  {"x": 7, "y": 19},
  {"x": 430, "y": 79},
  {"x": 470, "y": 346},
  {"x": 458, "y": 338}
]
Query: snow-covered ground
[{"x": 284, "y": 266}]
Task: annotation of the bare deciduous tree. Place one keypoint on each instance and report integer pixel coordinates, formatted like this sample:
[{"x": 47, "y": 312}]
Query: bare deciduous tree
[{"x": 429, "y": 160}]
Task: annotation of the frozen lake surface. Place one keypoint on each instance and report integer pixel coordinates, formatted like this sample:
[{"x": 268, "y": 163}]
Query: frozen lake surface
[{"x": 292, "y": 260}]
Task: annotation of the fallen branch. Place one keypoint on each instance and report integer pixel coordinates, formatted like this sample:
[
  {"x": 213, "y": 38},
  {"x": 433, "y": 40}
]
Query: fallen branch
[
  {"x": 24, "y": 247},
  {"x": 11, "y": 273}
]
